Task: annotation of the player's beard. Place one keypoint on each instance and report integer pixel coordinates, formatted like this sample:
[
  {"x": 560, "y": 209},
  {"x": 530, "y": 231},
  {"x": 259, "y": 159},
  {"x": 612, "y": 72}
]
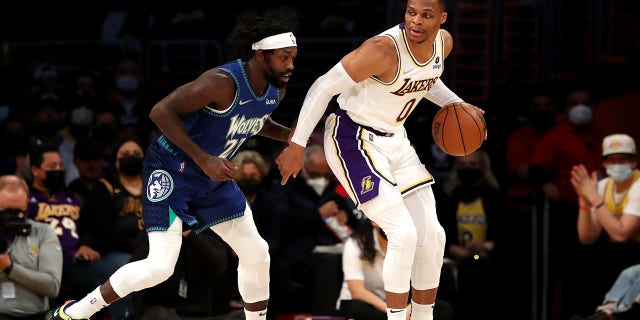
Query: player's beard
[{"x": 274, "y": 78}]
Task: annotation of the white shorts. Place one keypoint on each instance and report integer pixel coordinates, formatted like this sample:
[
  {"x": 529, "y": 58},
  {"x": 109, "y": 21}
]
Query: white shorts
[{"x": 362, "y": 158}]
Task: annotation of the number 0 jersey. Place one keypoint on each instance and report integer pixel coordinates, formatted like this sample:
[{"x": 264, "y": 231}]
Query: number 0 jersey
[{"x": 386, "y": 105}]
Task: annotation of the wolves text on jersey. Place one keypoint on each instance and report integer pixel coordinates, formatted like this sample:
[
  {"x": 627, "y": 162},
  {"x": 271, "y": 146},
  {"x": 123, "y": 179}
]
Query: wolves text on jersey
[{"x": 241, "y": 125}]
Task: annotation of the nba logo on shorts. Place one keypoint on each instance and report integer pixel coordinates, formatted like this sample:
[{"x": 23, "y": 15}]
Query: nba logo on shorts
[{"x": 160, "y": 186}]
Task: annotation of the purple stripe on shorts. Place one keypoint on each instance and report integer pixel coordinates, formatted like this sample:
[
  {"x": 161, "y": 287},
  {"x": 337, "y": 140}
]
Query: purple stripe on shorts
[{"x": 363, "y": 179}]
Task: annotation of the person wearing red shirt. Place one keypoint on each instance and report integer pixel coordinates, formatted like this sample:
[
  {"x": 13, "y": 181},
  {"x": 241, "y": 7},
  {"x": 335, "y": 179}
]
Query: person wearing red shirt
[{"x": 572, "y": 140}]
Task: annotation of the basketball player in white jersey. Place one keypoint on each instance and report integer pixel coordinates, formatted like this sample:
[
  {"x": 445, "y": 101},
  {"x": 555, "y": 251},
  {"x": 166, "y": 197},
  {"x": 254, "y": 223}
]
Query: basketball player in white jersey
[{"x": 380, "y": 83}]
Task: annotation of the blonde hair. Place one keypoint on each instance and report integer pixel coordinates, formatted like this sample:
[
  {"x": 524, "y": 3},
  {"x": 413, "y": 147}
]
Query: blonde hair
[{"x": 251, "y": 156}]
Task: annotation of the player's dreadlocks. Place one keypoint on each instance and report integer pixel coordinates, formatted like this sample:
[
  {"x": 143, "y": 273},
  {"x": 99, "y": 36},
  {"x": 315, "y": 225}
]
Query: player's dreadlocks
[{"x": 254, "y": 28}]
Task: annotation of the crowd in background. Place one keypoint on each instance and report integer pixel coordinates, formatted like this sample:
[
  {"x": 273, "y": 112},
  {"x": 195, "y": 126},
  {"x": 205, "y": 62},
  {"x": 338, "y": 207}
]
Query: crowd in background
[{"x": 90, "y": 126}]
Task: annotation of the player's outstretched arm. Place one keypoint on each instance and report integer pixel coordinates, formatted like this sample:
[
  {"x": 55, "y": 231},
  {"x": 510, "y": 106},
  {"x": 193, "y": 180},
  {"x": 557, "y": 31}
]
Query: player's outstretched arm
[{"x": 274, "y": 130}]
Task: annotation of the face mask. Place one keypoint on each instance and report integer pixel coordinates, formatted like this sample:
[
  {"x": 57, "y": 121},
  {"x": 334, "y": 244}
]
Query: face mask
[
  {"x": 466, "y": 193},
  {"x": 4, "y": 112},
  {"x": 81, "y": 116},
  {"x": 127, "y": 83},
  {"x": 469, "y": 176},
  {"x": 619, "y": 172},
  {"x": 580, "y": 115},
  {"x": 54, "y": 180},
  {"x": 248, "y": 186},
  {"x": 131, "y": 165},
  {"x": 318, "y": 184},
  {"x": 542, "y": 120}
]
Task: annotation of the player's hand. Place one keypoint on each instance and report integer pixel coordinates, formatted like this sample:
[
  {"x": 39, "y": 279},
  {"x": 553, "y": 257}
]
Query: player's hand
[
  {"x": 218, "y": 168},
  {"x": 290, "y": 161},
  {"x": 481, "y": 111},
  {"x": 486, "y": 134}
]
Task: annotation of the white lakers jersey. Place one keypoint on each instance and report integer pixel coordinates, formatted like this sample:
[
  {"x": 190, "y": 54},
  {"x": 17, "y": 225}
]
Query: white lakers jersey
[{"x": 386, "y": 105}]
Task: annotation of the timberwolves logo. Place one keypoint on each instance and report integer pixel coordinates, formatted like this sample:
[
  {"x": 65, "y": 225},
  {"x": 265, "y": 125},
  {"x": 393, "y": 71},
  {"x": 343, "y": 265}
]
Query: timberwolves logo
[{"x": 160, "y": 186}]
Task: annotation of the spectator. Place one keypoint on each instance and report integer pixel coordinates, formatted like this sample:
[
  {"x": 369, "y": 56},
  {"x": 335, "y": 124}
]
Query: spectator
[
  {"x": 362, "y": 296},
  {"x": 31, "y": 259},
  {"x": 520, "y": 193},
  {"x": 317, "y": 222},
  {"x": 52, "y": 202},
  {"x": 125, "y": 98},
  {"x": 88, "y": 158},
  {"x": 621, "y": 298},
  {"x": 571, "y": 141},
  {"x": 469, "y": 211},
  {"x": 126, "y": 202},
  {"x": 609, "y": 214},
  {"x": 522, "y": 142}
]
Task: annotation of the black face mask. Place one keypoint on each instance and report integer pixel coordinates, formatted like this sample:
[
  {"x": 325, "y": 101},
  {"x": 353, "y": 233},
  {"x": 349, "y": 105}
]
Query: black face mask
[
  {"x": 14, "y": 222},
  {"x": 469, "y": 176},
  {"x": 542, "y": 120},
  {"x": 131, "y": 165},
  {"x": 248, "y": 186},
  {"x": 466, "y": 193},
  {"x": 54, "y": 180}
]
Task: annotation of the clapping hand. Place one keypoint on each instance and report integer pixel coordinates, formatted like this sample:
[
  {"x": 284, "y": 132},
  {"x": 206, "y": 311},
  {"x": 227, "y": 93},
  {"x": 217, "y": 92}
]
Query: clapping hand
[{"x": 583, "y": 182}]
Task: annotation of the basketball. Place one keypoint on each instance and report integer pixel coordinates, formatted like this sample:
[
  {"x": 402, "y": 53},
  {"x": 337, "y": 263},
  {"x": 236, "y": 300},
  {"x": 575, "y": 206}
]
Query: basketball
[{"x": 458, "y": 129}]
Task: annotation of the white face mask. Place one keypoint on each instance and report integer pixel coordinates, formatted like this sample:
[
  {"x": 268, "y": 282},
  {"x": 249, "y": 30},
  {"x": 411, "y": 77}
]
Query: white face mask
[
  {"x": 580, "y": 115},
  {"x": 318, "y": 184},
  {"x": 82, "y": 116},
  {"x": 127, "y": 82},
  {"x": 619, "y": 172}
]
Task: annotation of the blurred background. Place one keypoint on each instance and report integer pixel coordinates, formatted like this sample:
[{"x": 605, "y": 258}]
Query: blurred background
[{"x": 504, "y": 51}]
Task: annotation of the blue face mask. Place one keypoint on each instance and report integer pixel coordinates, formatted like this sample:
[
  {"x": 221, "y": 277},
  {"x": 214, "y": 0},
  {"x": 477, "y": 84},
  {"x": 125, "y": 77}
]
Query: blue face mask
[{"x": 619, "y": 172}]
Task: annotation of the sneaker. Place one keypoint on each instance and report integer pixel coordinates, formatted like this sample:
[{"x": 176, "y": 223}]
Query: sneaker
[{"x": 58, "y": 314}]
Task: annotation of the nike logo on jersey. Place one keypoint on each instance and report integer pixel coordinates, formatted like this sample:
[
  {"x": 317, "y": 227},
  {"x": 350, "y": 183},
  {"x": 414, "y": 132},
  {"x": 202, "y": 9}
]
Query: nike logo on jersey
[
  {"x": 395, "y": 310},
  {"x": 245, "y": 101},
  {"x": 262, "y": 314},
  {"x": 406, "y": 71}
]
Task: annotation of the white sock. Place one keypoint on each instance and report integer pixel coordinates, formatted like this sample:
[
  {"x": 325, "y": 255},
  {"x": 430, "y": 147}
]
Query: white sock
[
  {"x": 421, "y": 311},
  {"x": 255, "y": 315},
  {"x": 88, "y": 306},
  {"x": 396, "y": 314}
]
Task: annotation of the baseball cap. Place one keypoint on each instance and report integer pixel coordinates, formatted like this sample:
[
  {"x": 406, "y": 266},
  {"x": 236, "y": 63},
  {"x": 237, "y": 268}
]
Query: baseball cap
[{"x": 618, "y": 143}]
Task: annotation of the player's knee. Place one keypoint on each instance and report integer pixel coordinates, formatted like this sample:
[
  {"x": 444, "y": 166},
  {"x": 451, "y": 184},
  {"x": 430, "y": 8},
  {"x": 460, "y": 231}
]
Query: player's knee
[
  {"x": 402, "y": 242},
  {"x": 161, "y": 271},
  {"x": 407, "y": 235},
  {"x": 258, "y": 259}
]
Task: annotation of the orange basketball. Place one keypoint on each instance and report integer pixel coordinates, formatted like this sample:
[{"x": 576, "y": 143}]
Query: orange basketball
[{"x": 458, "y": 129}]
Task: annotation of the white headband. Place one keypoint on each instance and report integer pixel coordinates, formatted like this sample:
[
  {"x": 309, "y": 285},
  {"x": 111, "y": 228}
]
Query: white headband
[{"x": 278, "y": 41}]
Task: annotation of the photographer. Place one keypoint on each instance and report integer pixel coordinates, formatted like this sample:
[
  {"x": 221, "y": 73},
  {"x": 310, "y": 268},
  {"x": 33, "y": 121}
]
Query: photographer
[{"x": 31, "y": 259}]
